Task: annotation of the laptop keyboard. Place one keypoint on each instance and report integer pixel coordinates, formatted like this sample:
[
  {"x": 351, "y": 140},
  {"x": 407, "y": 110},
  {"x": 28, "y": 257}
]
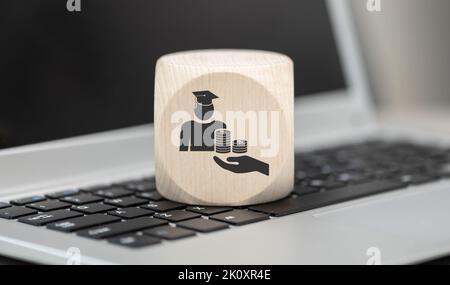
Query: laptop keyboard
[{"x": 134, "y": 214}]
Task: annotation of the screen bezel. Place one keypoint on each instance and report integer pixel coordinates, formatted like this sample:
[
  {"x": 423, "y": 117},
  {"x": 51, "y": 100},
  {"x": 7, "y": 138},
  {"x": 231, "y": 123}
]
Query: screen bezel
[{"x": 349, "y": 108}]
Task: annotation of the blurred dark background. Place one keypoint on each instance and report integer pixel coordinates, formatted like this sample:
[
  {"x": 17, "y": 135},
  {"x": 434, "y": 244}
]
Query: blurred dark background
[{"x": 64, "y": 74}]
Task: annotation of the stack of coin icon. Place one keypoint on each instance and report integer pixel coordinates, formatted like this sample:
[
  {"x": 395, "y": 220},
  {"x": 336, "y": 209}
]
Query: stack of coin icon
[
  {"x": 239, "y": 146},
  {"x": 223, "y": 139}
]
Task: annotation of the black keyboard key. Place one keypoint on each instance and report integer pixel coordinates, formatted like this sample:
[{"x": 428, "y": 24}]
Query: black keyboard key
[
  {"x": 82, "y": 199},
  {"x": 163, "y": 206},
  {"x": 177, "y": 215},
  {"x": 126, "y": 202},
  {"x": 316, "y": 183},
  {"x": 304, "y": 190},
  {"x": 141, "y": 186},
  {"x": 152, "y": 196},
  {"x": 95, "y": 188},
  {"x": 49, "y": 205},
  {"x": 169, "y": 233},
  {"x": 120, "y": 228},
  {"x": 131, "y": 213},
  {"x": 381, "y": 174},
  {"x": 149, "y": 178},
  {"x": 76, "y": 224},
  {"x": 416, "y": 179},
  {"x": 62, "y": 194},
  {"x": 300, "y": 176},
  {"x": 283, "y": 207},
  {"x": 333, "y": 184},
  {"x": 352, "y": 177},
  {"x": 444, "y": 170},
  {"x": 240, "y": 217},
  {"x": 49, "y": 217},
  {"x": 134, "y": 240},
  {"x": 311, "y": 172},
  {"x": 312, "y": 201},
  {"x": 94, "y": 208},
  {"x": 4, "y": 205},
  {"x": 28, "y": 200},
  {"x": 439, "y": 155},
  {"x": 203, "y": 225},
  {"x": 208, "y": 211},
  {"x": 113, "y": 192},
  {"x": 16, "y": 212}
]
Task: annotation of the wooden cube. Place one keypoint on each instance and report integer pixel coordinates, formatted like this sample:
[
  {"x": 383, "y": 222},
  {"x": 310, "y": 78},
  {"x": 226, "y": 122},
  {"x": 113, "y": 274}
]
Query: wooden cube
[{"x": 224, "y": 127}]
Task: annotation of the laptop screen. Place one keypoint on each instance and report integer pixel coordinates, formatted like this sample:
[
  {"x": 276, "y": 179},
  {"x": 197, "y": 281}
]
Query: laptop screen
[{"x": 64, "y": 74}]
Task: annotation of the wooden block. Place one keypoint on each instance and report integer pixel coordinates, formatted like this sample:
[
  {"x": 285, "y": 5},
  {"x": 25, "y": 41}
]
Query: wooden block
[{"x": 224, "y": 127}]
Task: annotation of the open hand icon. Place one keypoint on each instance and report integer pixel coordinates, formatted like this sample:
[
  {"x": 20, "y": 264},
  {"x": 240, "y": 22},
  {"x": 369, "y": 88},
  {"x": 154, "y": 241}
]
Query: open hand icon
[{"x": 243, "y": 164}]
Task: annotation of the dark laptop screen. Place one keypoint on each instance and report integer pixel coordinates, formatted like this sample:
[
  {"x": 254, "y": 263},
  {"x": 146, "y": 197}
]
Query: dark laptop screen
[{"x": 64, "y": 74}]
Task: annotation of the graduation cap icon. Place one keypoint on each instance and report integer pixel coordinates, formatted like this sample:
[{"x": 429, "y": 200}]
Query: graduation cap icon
[{"x": 204, "y": 97}]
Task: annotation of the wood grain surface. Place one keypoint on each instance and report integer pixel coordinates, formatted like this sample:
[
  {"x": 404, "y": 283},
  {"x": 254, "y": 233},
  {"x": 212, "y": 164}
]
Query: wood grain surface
[{"x": 255, "y": 91}]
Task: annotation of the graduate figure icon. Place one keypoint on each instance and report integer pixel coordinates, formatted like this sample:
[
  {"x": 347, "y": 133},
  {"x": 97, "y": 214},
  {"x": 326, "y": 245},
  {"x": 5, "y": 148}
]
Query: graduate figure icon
[
  {"x": 206, "y": 134},
  {"x": 198, "y": 134}
]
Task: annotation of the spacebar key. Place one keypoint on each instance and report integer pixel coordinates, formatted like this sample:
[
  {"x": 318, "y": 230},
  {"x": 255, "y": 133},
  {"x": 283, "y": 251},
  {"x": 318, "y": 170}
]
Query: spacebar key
[
  {"x": 312, "y": 201},
  {"x": 119, "y": 228},
  {"x": 76, "y": 224}
]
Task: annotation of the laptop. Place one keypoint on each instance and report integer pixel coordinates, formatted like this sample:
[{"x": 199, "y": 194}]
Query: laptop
[{"x": 76, "y": 138}]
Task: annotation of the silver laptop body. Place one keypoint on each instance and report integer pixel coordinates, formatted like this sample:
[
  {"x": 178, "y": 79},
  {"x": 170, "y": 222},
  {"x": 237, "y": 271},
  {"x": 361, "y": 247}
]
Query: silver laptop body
[{"x": 398, "y": 227}]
